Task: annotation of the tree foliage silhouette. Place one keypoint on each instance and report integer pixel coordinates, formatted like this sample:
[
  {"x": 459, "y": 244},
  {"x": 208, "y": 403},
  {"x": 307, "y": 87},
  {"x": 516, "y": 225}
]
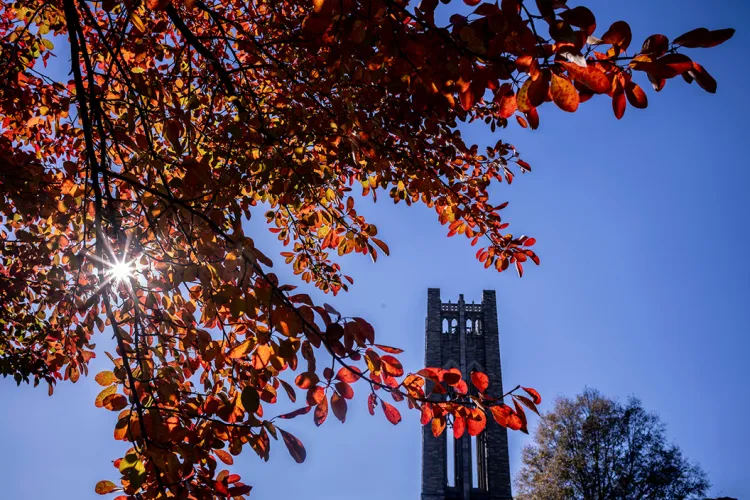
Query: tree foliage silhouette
[
  {"x": 594, "y": 447},
  {"x": 123, "y": 192}
]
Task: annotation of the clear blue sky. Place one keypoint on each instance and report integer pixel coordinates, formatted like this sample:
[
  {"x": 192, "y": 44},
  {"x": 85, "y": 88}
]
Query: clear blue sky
[{"x": 642, "y": 228}]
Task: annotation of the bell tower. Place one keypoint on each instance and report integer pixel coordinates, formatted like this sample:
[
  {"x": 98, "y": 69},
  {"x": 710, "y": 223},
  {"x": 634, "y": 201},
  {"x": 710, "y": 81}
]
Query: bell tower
[{"x": 465, "y": 336}]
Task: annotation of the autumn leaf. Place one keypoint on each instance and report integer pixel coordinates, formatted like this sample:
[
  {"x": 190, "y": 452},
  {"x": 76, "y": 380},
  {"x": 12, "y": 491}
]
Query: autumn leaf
[
  {"x": 241, "y": 350},
  {"x": 618, "y": 34},
  {"x": 506, "y": 417},
  {"x": 391, "y": 413},
  {"x": 338, "y": 405},
  {"x": 702, "y": 37},
  {"x": 459, "y": 427},
  {"x": 321, "y": 411},
  {"x": 480, "y": 381},
  {"x": 115, "y": 402},
  {"x": 105, "y": 378},
  {"x": 104, "y": 487},
  {"x": 250, "y": 399},
  {"x": 296, "y": 413},
  {"x": 564, "y": 93},
  {"x": 535, "y": 397},
  {"x": 224, "y": 456},
  {"x": 294, "y": 445}
]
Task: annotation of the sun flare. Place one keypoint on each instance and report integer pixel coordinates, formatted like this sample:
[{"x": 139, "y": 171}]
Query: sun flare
[{"x": 121, "y": 270}]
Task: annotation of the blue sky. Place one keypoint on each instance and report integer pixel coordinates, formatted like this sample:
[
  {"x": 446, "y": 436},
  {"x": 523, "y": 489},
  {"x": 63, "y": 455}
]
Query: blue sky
[{"x": 643, "y": 290}]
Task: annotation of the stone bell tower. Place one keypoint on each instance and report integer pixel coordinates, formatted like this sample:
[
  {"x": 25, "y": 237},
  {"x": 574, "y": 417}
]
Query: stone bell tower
[{"x": 465, "y": 336}]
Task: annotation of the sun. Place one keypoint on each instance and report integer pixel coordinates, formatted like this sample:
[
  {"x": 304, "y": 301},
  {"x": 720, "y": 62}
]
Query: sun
[{"x": 121, "y": 270}]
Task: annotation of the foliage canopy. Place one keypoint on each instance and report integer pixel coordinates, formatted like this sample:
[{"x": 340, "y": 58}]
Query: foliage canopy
[
  {"x": 595, "y": 447},
  {"x": 123, "y": 192}
]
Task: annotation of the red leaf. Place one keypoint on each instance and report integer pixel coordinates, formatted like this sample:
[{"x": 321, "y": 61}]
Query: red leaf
[
  {"x": 294, "y": 445},
  {"x": 427, "y": 413},
  {"x": 345, "y": 390},
  {"x": 636, "y": 96},
  {"x": 703, "y": 78},
  {"x": 618, "y": 34},
  {"x": 522, "y": 416},
  {"x": 534, "y": 394},
  {"x": 224, "y": 457},
  {"x": 391, "y": 365},
  {"x": 506, "y": 417},
  {"x": 476, "y": 422},
  {"x": 296, "y": 413},
  {"x": 480, "y": 381},
  {"x": 589, "y": 76},
  {"x": 459, "y": 426},
  {"x": 704, "y": 38},
  {"x": 507, "y": 106},
  {"x": 564, "y": 94},
  {"x": 391, "y": 413},
  {"x": 618, "y": 102},
  {"x": 655, "y": 45},
  {"x": 452, "y": 376},
  {"x": 348, "y": 375},
  {"x": 389, "y": 349},
  {"x": 527, "y": 403},
  {"x": 115, "y": 402},
  {"x": 321, "y": 412},
  {"x": 371, "y": 402},
  {"x": 315, "y": 395},
  {"x": 580, "y": 17},
  {"x": 338, "y": 405}
]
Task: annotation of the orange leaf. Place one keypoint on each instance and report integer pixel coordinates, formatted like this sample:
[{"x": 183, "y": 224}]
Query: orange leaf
[
  {"x": 505, "y": 416},
  {"x": 427, "y": 413},
  {"x": 438, "y": 426},
  {"x": 636, "y": 96},
  {"x": 476, "y": 422},
  {"x": 294, "y": 445},
  {"x": 105, "y": 378},
  {"x": 348, "y": 375},
  {"x": 316, "y": 395},
  {"x": 321, "y": 412},
  {"x": 241, "y": 350},
  {"x": 459, "y": 426},
  {"x": 589, "y": 76},
  {"x": 392, "y": 366},
  {"x": 564, "y": 94},
  {"x": 99, "y": 402},
  {"x": 534, "y": 394},
  {"x": 104, "y": 487},
  {"x": 391, "y": 412},
  {"x": 389, "y": 349},
  {"x": 224, "y": 457},
  {"x": 618, "y": 34},
  {"x": 480, "y": 381}
]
